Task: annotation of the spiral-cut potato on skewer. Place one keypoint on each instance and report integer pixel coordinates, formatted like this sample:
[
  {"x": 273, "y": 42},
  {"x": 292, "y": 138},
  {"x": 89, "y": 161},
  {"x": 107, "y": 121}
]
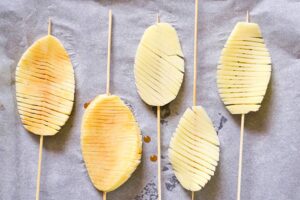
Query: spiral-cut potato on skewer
[
  {"x": 244, "y": 70},
  {"x": 194, "y": 149},
  {"x": 45, "y": 86},
  {"x": 159, "y": 65},
  {"x": 111, "y": 142}
]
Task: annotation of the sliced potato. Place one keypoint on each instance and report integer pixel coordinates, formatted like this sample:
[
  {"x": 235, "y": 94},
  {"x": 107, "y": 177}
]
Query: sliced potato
[
  {"x": 111, "y": 142},
  {"x": 244, "y": 70},
  {"x": 45, "y": 86},
  {"x": 159, "y": 65},
  {"x": 194, "y": 149}
]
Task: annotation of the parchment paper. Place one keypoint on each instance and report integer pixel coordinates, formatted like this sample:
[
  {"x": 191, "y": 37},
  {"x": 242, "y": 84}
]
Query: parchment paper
[{"x": 271, "y": 143}]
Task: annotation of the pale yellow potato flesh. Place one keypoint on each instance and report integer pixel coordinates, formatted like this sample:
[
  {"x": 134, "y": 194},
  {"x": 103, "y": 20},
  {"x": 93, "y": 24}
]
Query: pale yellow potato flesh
[
  {"x": 111, "y": 142},
  {"x": 45, "y": 86},
  {"x": 194, "y": 149},
  {"x": 244, "y": 70},
  {"x": 159, "y": 65}
]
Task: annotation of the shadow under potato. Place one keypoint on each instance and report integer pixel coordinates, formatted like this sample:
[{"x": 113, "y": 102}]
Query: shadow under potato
[
  {"x": 212, "y": 188},
  {"x": 57, "y": 142},
  {"x": 258, "y": 121}
]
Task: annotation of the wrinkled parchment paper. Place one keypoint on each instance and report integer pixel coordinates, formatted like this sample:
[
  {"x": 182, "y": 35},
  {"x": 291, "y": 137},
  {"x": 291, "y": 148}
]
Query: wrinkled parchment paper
[{"x": 271, "y": 143}]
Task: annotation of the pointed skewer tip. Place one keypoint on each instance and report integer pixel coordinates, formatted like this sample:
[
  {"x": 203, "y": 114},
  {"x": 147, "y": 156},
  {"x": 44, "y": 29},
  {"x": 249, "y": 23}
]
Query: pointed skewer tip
[
  {"x": 49, "y": 26},
  {"x": 108, "y": 52},
  {"x": 248, "y": 16},
  {"x": 157, "y": 17}
]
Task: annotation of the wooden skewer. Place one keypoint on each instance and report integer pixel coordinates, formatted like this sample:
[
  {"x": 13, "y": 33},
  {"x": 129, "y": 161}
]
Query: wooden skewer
[
  {"x": 158, "y": 155},
  {"x": 248, "y": 17},
  {"x": 240, "y": 157},
  {"x": 108, "y": 52},
  {"x": 49, "y": 26},
  {"x": 195, "y": 53},
  {"x": 241, "y": 143},
  {"x": 108, "y": 64},
  {"x": 38, "y": 179},
  {"x": 195, "y": 62},
  {"x": 158, "y": 142}
]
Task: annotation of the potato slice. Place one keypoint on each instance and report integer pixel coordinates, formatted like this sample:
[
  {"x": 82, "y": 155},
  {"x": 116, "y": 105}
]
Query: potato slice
[
  {"x": 244, "y": 70},
  {"x": 111, "y": 142},
  {"x": 45, "y": 86},
  {"x": 159, "y": 65},
  {"x": 194, "y": 149}
]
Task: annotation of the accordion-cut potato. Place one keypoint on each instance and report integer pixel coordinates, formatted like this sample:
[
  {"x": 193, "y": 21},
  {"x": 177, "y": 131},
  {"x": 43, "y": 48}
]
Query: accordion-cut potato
[
  {"x": 45, "y": 86},
  {"x": 159, "y": 65},
  {"x": 111, "y": 142},
  {"x": 194, "y": 149},
  {"x": 244, "y": 70}
]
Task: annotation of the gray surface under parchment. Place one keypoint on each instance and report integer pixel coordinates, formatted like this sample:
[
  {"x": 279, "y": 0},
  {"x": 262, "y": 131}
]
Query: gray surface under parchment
[{"x": 271, "y": 158}]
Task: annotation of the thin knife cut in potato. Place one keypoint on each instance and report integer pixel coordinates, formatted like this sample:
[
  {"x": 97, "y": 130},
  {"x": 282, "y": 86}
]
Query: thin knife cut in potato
[
  {"x": 159, "y": 65},
  {"x": 244, "y": 70},
  {"x": 45, "y": 86},
  {"x": 194, "y": 149},
  {"x": 111, "y": 142}
]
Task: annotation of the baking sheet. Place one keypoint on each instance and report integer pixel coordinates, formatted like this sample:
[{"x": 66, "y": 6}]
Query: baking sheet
[{"x": 271, "y": 143}]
